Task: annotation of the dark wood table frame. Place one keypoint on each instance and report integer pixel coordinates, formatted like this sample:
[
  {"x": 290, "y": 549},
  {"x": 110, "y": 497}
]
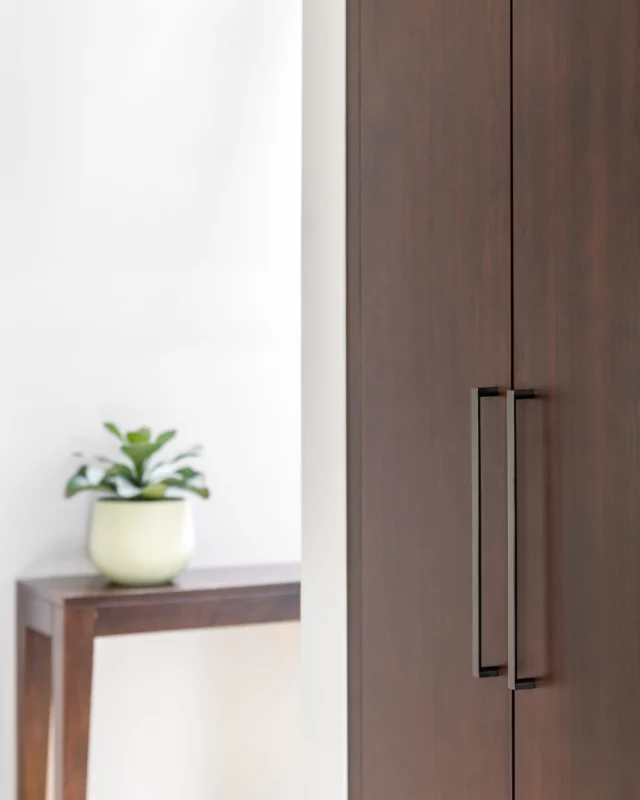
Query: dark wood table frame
[{"x": 59, "y": 618}]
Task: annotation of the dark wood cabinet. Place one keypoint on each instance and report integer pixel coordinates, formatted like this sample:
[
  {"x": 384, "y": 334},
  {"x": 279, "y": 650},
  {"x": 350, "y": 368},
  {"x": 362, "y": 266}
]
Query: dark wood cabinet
[
  {"x": 434, "y": 295},
  {"x": 494, "y": 240},
  {"x": 576, "y": 283}
]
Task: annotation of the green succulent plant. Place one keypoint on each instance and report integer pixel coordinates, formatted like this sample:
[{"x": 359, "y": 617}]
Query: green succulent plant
[{"x": 140, "y": 479}]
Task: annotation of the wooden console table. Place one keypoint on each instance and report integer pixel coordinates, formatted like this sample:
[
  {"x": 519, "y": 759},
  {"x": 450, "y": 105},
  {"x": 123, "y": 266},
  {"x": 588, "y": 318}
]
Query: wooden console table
[{"x": 59, "y": 618}]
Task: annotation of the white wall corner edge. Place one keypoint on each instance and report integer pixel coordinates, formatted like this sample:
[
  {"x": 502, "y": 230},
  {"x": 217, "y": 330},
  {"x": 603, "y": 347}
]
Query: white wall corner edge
[{"x": 324, "y": 593}]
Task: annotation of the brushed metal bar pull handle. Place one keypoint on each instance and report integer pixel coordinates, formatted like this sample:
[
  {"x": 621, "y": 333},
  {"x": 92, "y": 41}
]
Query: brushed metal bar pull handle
[
  {"x": 513, "y": 681},
  {"x": 476, "y": 534}
]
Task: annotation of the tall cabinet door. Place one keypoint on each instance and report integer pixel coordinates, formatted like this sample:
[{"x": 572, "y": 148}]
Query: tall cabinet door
[
  {"x": 429, "y": 314},
  {"x": 577, "y": 342}
]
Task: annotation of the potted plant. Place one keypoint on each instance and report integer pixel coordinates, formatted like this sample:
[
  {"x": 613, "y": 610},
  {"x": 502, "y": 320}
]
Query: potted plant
[{"x": 141, "y": 529}]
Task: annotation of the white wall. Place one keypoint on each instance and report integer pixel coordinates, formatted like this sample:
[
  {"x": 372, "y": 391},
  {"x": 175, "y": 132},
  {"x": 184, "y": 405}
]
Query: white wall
[
  {"x": 323, "y": 401},
  {"x": 150, "y": 273}
]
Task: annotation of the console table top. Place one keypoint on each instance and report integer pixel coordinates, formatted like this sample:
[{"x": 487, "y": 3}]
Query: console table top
[
  {"x": 199, "y": 598},
  {"x": 97, "y": 590}
]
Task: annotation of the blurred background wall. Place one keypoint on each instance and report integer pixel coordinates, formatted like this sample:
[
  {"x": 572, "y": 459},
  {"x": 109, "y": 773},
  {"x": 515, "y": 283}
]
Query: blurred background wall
[{"x": 150, "y": 153}]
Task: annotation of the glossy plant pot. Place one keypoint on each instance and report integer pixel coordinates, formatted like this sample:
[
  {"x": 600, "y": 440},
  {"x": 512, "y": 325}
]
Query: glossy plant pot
[{"x": 141, "y": 543}]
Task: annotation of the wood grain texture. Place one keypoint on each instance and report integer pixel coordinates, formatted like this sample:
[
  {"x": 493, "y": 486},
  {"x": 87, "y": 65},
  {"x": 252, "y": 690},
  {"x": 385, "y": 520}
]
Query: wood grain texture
[
  {"x": 96, "y": 590},
  {"x": 33, "y": 705},
  {"x": 577, "y": 339},
  {"x": 72, "y": 679},
  {"x": 429, "y": 317},
  {"x": 256, "y": 606}
]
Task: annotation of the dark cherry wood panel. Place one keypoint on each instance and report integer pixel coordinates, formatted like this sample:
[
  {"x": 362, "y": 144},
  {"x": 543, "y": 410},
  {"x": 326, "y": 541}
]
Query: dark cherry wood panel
[
  {"x": 58, "y": 620},
  {"x": 34, "y": 699},
  {"x": 429, "y": 317},
  {"x": 248, "y": 607},
  {"x": 194, "y": 583},
  {"x": 72, "y": 677},
  {"x": 577, "y": 340}
]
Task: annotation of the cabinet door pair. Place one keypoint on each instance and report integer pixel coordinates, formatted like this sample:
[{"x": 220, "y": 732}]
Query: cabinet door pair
[{"x": 494, "y": 240}]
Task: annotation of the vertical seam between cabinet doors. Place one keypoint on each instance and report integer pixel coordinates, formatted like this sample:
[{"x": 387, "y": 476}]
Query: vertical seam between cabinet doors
[
  {"x": 354, "y": 401},
  {"x": 512, "y": 754},
  {"x": 512, "y": 704},
  {"x": 511, "y": 199}
]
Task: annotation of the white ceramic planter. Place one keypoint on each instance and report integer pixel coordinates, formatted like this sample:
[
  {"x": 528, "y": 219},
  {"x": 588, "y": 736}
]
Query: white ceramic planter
[{"x": 141, "y": 543}]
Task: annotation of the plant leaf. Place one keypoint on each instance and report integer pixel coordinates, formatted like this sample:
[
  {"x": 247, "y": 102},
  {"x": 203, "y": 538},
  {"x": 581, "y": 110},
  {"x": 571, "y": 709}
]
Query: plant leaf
[
  {"x": 77, "y": 482},
  {"x": 101, "y": 487},
  {"x": 141, "y": 436},
  {"x": 113, "y": 429},
  {"x": 122, "y": 470},
  {"x": 202, "y": 491},
  {"x": 140, "y": 454},
  {"x": 125, "y": 488},
  {"x": 194, "y": 452},
  {"x": 95, "y": 475},
  {"x": 80, "y": 483},
  {"x": 188, "y": 473},
  {"x": 154, "y": 491},
  {"x": 159, "y": 472},
  {"x": 166, "y": 469},
  {"x": 197, "y": 487},
  {"x": 165, "y": 437}
]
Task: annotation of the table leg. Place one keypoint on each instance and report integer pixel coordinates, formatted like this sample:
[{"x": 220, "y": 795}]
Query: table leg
[
  {"x": 73, "y": 631},
  {"x": 34, "y": 706}
]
